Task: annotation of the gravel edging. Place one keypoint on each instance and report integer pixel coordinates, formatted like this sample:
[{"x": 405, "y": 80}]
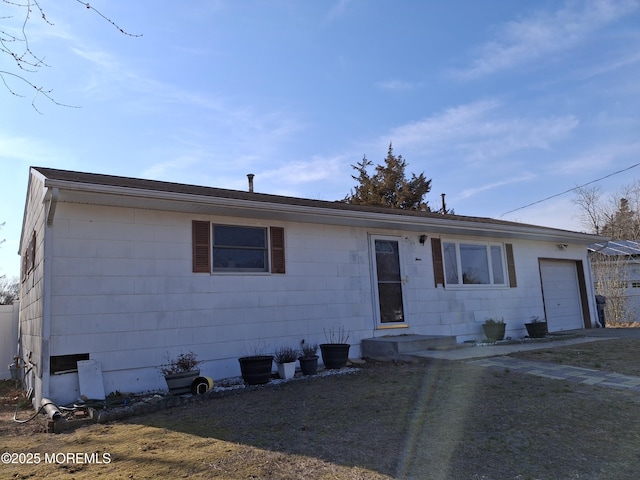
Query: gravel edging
[{"x": 154, "y": 402}]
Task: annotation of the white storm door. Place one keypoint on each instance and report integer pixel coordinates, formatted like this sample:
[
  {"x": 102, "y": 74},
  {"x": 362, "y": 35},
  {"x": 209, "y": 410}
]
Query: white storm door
[{"x": 388, "y": 281}]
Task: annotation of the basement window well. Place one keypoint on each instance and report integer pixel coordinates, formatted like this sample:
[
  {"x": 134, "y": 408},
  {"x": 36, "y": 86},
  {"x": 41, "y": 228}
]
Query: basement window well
[{"x": 59, "y": 364}]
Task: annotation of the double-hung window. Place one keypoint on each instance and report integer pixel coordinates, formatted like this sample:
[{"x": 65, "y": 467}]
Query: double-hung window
[
  {"x": 467, "y": 263},
  {"x": 237, "y": 248},
  {"x": 240, "y": 249}
]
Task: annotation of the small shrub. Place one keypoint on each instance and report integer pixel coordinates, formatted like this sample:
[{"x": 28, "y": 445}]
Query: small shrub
[
  {"x": 285, "y": 355},
  {"x": 185, "y": 362},
  {"x": 308, "y": 349},
  {"x": 336, "y": 335}
]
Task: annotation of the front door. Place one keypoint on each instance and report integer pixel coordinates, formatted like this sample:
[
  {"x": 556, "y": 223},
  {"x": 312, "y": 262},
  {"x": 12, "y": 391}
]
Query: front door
[{"x": 388, "y": 280}]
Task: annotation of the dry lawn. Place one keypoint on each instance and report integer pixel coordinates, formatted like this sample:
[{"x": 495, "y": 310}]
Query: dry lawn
[
  {"x": 620, "y": 356},
  {"x": 436, "y": 420}
]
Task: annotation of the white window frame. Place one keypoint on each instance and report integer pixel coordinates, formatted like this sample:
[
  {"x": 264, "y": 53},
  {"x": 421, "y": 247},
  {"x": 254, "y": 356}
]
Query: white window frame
[
  {"x": 227, "y": 269},
  {"x": 459, "y": 271}
]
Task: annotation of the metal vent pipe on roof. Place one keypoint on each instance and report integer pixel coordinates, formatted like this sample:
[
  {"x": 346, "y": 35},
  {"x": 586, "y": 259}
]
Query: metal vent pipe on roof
[{"x": 250, "y": 177}]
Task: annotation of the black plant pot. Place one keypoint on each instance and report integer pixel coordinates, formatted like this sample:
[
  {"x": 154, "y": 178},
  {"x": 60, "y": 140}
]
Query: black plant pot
[
  {"x": 256, "y": 369},
  {"x": 308, "y": 365},
  {"x": 335, "y": 355},
  {"x": 494, "y": 331},
  {"x": 536, "y": 329}
]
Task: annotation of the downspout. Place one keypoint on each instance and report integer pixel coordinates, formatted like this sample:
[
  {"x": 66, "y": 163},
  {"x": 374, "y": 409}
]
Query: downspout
[
  {"x": 47, "y": 247},
  {"x": 52, "y": 198},
  {"x": 591, "y": 294}
]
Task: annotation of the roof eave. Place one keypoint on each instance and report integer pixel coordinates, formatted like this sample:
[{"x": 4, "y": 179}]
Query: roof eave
[{"x": 76, "y": 192}]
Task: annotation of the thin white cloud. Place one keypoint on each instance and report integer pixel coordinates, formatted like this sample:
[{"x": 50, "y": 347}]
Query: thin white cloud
[
  {"x": 543, "y": 34},
  {"x": 338, "y": 9},
  {"x": 613, "y": 65},
  {"x": 30, "y": 151},
  {"x": 397, "y": 85},
  {"x": 300, "y": 173},
  {"x": 481, "y": 130},
  {"x": 248, "y": 134},
  {"x": 469, "y": 192},
  {"x": 453, "y": 122},
  {"x": 606, "y": 158},
  {"x": 559, "y": 213}
]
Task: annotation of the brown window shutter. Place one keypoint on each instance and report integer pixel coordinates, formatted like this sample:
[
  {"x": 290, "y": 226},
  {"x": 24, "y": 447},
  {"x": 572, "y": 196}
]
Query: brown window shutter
[
  {"x": 438, "y": 266},
  {"x": 33, "y": 251},
  {"x": 511, "y": 266},
  {"x": 277, "y": 249},
  {"x": 24, "y": 265},
  {"x": 201, "y": 237}
]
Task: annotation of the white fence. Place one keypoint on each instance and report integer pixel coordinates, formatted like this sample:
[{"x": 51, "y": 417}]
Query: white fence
[{"x": 8, "y": 337}]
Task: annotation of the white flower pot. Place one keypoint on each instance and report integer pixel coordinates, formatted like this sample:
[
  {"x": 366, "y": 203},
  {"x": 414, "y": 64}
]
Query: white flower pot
[{"x": 287, "y": 370}]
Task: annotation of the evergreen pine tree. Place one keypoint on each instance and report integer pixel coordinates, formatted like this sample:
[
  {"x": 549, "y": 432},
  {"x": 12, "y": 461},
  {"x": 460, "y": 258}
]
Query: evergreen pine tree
[{"x": 388, "y": 187}]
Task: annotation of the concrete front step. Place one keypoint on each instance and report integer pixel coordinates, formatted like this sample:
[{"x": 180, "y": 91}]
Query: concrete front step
[{"x": 401, "y": 346}]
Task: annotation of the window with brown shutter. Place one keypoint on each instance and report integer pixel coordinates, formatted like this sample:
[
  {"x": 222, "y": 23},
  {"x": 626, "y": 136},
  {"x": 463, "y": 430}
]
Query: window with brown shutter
[
  {"x": 29, "y": 257},
  {"x": 237, "y": 248},
  {"x": 277, "y": 250},
  {"x": 468, "y": 263},
  {"x": 201, "y": 237},
  {"x": 511, "y": 265},
  {"x": 438, "y": 267},
  {"x": 32, "y": 247}
]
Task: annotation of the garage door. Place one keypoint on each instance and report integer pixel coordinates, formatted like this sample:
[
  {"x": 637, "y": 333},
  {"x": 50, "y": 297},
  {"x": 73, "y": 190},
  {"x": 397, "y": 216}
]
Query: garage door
[{"x": 561, "y": 295}]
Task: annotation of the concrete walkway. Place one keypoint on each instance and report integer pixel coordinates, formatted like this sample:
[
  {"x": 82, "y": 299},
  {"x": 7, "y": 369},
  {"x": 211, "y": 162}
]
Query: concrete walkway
[
  {"x": 473, "y": 351},
  {"x": 562, "y": 372},
  {"x": 496, "y": 356}
]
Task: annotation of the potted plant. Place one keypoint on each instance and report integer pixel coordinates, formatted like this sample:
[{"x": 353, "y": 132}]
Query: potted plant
[
  {"x": 285, "y": 358},
  {"x": 536, "y": 328},
  {"x": 180, "y": 372},
  {"x": 335, "y": 353},
  {"x": 308, "y": 358},
  {"x": 494, "y": 329},
  {"x": 256, "y": 368}
]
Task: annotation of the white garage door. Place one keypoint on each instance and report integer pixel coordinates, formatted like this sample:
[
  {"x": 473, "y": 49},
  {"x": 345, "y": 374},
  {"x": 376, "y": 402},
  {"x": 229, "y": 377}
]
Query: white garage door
[{"x": 561, "y": 295}]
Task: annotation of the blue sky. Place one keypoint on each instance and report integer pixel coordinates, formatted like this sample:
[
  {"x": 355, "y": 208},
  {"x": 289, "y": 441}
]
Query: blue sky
[{"x": 501, "y": 103}]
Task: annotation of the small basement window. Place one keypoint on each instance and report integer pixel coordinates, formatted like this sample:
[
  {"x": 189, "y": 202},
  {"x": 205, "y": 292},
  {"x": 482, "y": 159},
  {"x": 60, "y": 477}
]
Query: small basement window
[{"x": 59, "y": 364}]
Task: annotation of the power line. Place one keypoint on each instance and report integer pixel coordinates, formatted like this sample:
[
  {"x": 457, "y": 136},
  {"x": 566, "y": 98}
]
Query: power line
[{"x": 570, "y": 190}]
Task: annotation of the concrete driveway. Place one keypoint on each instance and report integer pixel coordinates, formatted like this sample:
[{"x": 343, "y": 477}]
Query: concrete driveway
[{"x": 471, "y": 351}]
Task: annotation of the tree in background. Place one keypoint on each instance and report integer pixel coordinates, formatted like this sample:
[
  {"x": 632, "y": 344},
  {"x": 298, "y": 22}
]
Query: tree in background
[
  {"x": 388, "y": 187},
  {"x": 14, "y": 42},
  {"x": 616, "y": 217},
  {"x": 8, "y": 290}
]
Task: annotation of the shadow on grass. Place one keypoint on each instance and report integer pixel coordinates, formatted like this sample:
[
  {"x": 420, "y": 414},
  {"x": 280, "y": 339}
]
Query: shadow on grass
[{"x": 436, "y": 420}]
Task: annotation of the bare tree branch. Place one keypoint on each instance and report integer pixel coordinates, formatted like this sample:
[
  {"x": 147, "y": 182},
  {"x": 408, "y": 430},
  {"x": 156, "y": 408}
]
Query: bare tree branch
[{"x": 26, "y": 61}]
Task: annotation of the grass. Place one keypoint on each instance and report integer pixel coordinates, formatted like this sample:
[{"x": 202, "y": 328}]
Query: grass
[
  {"x": 620, "y": 356},
  {"x": 437, "y": 420}
]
